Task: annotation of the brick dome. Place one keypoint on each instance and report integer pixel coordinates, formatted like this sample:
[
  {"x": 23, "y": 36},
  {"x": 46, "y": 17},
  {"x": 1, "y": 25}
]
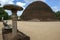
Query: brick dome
[{"x": 38, "y": 10}]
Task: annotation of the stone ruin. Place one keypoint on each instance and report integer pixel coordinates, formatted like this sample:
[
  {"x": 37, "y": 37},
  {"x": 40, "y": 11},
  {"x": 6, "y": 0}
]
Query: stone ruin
[
  {"x": 38, "y": 11},
  {"x": 13, "y": 33}
]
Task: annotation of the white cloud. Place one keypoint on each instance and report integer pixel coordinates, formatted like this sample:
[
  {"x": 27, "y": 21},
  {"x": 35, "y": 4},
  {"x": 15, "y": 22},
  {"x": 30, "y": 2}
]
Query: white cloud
[
  {"x": 33, "y": 0},
  {"x": 55, "y": 8},
  {"x": 19, "y": 13},
  {"x": 9, "y": 12},
  {"x": 20, "y": 4},
  {"x": 10, "y": 2},
  {"x": 3, "y": 2}
]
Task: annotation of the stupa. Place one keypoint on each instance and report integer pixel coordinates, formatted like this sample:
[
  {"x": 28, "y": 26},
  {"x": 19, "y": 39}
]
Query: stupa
[{"x": 38, "y": 10}]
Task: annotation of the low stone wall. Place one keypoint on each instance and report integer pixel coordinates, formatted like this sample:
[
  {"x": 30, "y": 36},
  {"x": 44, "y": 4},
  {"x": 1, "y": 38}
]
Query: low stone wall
[{"x": 7, "y": 35}]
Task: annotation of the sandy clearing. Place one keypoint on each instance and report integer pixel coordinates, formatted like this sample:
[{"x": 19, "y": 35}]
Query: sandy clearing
[{"x": 40, "y": 30}]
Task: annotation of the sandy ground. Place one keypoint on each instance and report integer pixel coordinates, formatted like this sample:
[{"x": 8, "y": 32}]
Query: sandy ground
[
  {"x": 39, "y": 30},
  {"x": 1, "y": 25}
]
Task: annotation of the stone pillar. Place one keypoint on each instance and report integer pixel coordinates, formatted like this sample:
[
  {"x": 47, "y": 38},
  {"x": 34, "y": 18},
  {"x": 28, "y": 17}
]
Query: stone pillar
[{"x": 14, "y": 23}]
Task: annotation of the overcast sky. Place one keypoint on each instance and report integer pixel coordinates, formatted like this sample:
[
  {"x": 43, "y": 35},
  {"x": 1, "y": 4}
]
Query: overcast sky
[{"x": 54, "y": 4}]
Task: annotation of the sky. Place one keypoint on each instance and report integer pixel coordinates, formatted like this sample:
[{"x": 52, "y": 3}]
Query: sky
[{"x": 54, "y": 4}]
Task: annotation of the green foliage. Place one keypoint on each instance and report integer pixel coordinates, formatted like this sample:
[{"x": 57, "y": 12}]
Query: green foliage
[
  {"x": 10, "y": 17},
  {"x": 3, "y": 14},
  {"x": 58, "y": 14}
]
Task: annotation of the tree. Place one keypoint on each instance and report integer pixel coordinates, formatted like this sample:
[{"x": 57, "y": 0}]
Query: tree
[
  {"x": 58, "y": 14},
  {"x": 10, "y": 17},
  {"x": 3, "y": 14}
]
